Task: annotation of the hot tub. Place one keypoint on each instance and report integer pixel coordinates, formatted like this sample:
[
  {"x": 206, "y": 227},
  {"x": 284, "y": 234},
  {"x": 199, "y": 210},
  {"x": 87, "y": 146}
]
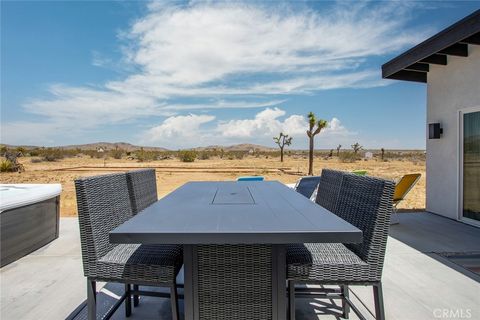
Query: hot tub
[{"x": 29, "y": 218}]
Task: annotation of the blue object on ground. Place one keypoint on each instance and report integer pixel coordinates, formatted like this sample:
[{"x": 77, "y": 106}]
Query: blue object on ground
[
  {"x": 307, "y": 185},
  {"x": 250, "y": 178}
]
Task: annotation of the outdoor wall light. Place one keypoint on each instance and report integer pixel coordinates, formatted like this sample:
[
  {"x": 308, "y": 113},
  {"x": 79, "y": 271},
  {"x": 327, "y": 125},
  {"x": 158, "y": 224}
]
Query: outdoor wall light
[{"x": 434, "y": 131}]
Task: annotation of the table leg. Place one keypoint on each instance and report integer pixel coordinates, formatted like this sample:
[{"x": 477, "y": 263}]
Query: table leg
[
  {"x": 279, "y": 276},
  {"x": 189, "y": 266}
]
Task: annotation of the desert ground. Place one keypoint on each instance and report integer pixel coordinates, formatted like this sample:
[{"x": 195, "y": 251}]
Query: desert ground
[{"x": 173, "y": 173}]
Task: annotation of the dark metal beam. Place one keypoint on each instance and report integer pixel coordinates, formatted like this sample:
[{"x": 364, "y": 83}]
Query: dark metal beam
[
  {"x": 440, "y": 59},
  {"x": 409, "y": 76},
  {"x": 458, "y": 49},
  {"x": 423, "y": 67},
  {"x": 475, "y": 39}
]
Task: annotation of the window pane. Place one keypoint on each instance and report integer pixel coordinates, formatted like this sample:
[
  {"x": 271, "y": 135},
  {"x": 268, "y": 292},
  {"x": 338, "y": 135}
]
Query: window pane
[{"x": 471, "y": 165}]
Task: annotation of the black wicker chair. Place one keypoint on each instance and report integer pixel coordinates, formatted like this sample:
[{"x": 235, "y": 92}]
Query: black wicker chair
[
  {"x": 103, "y": 204},
  {"x": 306, "y": 186},
  {"x": 366, "y": 203},
  {"x": 142, "y": 187},
  {"x": 329, "y": 189}
]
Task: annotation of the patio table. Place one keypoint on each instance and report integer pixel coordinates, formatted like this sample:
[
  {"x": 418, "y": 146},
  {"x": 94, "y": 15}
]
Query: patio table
[{"x": 234, "y": 236}]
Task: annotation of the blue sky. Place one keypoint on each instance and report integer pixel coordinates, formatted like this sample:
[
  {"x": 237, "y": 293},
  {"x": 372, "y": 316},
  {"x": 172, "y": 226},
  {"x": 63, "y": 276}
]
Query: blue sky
[{"x": 184, "y": 74}]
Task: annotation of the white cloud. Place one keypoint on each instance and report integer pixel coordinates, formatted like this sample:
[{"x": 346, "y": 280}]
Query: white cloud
[
  {"x": 189, "y": 131},
  {"x": 200, "y": 43},
  {"x": 177, "y": 132},
  {"x": 222, "y": 104},
  {"x": 232, "y": 55},
  {"x": 267, "y": 123},
  {"x": 336, "y": 128}
]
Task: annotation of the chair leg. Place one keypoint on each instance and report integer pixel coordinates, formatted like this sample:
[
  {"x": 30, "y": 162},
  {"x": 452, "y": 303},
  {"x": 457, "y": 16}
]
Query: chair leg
[
  {"x": 291, "y": 299},
  {"x": 136, "y": 299},
  {"x": 174, "y": 302},
  {"x": 128, "y": 301},
  {"x": 378, "y": 297},
  {"x": 91, "y": 299},
  {"x": 345, "y": 305},
  {"x": 394, "y": 216}
]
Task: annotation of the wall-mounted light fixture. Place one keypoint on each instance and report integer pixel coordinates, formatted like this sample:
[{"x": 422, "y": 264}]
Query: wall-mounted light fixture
[{"x": 434, "y": 131}]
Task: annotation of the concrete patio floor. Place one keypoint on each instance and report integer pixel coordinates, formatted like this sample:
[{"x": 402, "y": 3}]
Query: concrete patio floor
[{"x": 419, "y": 281}]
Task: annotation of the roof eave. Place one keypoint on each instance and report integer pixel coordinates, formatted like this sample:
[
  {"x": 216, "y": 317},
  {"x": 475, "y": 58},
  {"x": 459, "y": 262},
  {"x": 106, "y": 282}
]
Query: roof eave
[{"x": 453, "y": 40}]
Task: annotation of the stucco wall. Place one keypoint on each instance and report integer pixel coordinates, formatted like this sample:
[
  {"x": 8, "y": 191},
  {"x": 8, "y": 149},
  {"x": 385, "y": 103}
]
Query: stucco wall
[{"x": 450, "y": 88}]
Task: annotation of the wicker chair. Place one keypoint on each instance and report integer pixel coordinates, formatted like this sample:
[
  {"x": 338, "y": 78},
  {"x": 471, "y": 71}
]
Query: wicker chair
[
  {"x": 142, "y": 187},
  {"x": 103, "y": 204},
  {"x": 366, "y": 203},
  {"x": 306, "y": 186},
  {"x": 329, "y": 189}
]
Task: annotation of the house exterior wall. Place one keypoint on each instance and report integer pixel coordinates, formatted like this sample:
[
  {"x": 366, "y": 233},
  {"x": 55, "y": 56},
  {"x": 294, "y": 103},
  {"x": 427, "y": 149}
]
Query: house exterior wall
[{"x": 450, "y": 89}]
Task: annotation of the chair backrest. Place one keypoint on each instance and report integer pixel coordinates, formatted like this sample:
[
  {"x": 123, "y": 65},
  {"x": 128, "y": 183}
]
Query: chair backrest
[
  {"x": 307, "y": 185},
  {"x": 250, "y": 178},
  {"x": 329, "y": 189},
  {"x": 103, "y": 204},
  {"x": 142, "y": 187},
  {"x": 366, "y": 203},
  {"x": 403, "y": 187}
]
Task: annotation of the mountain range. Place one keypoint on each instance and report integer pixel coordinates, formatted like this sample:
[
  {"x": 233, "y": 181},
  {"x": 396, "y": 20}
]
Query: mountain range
[{"x": 131, "y": 147}]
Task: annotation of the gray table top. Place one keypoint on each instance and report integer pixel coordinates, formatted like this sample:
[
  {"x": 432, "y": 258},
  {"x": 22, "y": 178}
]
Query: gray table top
[{"x": 235, "y": 213}]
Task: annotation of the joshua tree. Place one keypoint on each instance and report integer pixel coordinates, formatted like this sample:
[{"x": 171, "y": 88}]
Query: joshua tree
[
  {"x": 383, "y": 153},
  {"x": 356, "y": 147},
  {"x": 311, "y": 133},
  {"x": 330, "y": 154},
  {"x": 282, "y": 140},
  {"x": 338, "y": 150}
]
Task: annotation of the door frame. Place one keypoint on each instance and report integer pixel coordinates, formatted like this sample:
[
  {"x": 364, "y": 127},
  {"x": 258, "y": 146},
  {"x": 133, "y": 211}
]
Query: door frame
[{"x": 460, "y": 216}]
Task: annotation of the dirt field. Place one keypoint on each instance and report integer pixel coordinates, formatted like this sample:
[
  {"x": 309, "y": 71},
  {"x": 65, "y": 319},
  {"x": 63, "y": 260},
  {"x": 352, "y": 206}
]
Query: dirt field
[{"x": 172, "y": 173}]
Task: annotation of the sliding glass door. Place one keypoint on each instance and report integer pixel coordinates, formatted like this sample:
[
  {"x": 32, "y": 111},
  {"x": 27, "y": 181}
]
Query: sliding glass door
[{"x": 470, "y": 208}]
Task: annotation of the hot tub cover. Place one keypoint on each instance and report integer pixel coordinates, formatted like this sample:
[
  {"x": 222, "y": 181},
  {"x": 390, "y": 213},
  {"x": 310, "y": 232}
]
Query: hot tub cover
[{"x": 19, "y": 195}]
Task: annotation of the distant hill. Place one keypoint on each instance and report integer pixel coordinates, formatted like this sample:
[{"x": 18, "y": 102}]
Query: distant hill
[
  {"x": 130, "y": 147},
  {"x": 111, "y": 146},
  {"x": 94, "y": 146},
  {"x": 236, "y": 147}
]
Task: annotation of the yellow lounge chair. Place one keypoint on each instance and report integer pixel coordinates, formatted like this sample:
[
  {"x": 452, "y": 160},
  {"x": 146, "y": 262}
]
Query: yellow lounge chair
[{"x": 402, "y": 188}]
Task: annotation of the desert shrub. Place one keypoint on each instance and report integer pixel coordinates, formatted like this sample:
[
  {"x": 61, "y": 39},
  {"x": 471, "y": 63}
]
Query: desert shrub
[
  {"x": 187, "y": 155},
  {"x": 165, "y": 155},
  {"x": 52, "y": 154},
  {"x": 204, "y": 155},
  {"x": 239, "y": 155},
  {"x": 348, "y": 157},
  {"x": 34, "y": 152},
  {"x": 143, "y": 155},
  {"x": 6, "y": 166},
  {"x": 21, "y": 150},
  {"x": 116, "y": 154}
]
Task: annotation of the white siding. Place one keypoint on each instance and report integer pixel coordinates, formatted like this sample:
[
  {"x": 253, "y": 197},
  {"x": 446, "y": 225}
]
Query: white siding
[{"x": 450, "y": 88}]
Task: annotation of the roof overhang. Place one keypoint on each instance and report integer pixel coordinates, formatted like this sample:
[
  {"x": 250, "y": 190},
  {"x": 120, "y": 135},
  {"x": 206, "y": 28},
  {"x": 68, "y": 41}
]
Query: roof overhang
[{"x": 414, "y": 64}]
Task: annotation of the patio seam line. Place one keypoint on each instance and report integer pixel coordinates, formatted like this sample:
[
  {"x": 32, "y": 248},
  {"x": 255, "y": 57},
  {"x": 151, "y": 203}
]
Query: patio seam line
[
  {"x": 472, "y": 275},
  {"x": 363, "y": 303}
]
